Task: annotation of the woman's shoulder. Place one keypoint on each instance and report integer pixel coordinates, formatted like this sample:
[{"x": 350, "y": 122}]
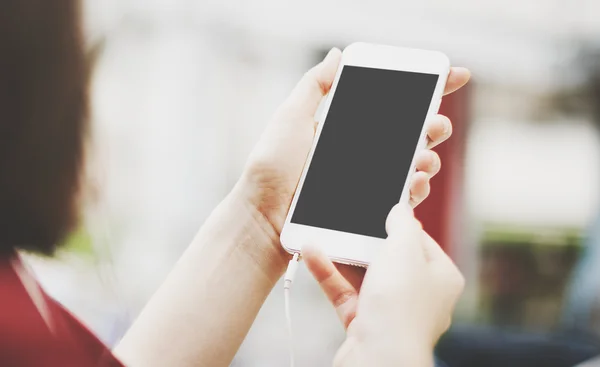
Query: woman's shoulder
[
  {"x": 36, "y": 330},
  {"x": 22, "y": 329}
]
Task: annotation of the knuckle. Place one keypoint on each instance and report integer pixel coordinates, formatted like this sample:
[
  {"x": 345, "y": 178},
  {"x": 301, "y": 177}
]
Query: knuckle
[
  {"x": 326, "y": 277},
  {"x": 343, "y": 297}
]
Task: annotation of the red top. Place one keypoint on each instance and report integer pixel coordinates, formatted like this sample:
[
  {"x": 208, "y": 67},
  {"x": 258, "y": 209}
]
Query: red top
[{"x": 55, "y": 339}]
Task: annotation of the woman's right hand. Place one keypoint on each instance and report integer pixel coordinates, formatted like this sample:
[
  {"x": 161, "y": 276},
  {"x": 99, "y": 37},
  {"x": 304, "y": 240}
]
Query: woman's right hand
[{"x": 406, "y": 300}]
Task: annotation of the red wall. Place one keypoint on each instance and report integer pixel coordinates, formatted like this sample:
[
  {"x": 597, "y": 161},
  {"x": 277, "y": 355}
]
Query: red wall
[{"x": 440, "y": 213}]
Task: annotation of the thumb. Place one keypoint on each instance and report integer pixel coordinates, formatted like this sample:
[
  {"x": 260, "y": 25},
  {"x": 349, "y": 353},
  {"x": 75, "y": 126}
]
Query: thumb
[
  {"x": 405, "y": 236},
  {"x": 400, "y": 217},
  {"x": 315, "y": 84}
]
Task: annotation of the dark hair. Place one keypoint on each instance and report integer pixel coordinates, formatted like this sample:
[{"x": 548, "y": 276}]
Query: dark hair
[{"x": 43, "y": 111}]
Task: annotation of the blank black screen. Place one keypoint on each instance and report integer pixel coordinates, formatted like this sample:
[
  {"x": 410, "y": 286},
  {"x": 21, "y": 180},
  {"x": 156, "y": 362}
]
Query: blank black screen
[{"x": 365, "y": 150}]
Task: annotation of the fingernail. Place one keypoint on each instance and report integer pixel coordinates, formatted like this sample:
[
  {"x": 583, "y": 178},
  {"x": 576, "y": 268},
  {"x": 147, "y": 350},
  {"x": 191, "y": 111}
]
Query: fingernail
[{"x": 464, "y": 70}]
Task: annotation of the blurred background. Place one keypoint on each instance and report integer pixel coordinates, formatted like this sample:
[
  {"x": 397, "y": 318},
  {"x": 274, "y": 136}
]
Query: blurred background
[{"x": 183, "y": 88}]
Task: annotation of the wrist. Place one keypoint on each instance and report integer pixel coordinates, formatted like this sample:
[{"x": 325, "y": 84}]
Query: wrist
[
  {"x": 260, "y": 234},
  {"x": 355, "y": 352}
]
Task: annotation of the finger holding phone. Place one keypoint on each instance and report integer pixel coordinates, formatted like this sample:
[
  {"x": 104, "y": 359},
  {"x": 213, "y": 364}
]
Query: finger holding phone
[
  {"x": 370, "y": 142},
  {"x": 272, "y": 174}
]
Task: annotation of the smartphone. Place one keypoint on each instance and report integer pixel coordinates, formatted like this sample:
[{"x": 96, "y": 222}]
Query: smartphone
[{"x": 360, "y": 165}]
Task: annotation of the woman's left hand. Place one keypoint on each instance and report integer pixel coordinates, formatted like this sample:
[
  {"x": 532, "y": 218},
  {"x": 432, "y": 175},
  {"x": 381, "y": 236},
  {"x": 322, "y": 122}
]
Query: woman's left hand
[{"x": 275, "y": 165}]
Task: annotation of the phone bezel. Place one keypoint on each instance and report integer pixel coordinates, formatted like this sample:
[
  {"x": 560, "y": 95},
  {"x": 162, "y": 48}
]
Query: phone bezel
[{"x": 350, "y": 248}]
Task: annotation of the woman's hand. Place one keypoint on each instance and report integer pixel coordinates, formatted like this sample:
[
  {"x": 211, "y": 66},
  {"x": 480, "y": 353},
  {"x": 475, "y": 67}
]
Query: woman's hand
[
  {"x": 240, "y": 240},
  {"x": 405, "y": 303},
  {"x": 275, "y": 165}
]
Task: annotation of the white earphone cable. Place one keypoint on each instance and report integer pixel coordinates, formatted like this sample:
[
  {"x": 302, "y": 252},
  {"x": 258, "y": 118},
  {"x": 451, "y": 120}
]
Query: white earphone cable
[{"x": 287, "y": 285}]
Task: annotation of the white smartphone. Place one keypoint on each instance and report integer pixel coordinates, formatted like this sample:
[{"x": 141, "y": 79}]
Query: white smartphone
[{"x": 360, "y": 165}]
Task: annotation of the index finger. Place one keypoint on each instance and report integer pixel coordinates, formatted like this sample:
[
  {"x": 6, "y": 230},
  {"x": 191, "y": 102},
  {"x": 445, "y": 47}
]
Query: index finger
[
  {"x": 340, "y": 292},
  {"x": 457, "y": 78}
]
